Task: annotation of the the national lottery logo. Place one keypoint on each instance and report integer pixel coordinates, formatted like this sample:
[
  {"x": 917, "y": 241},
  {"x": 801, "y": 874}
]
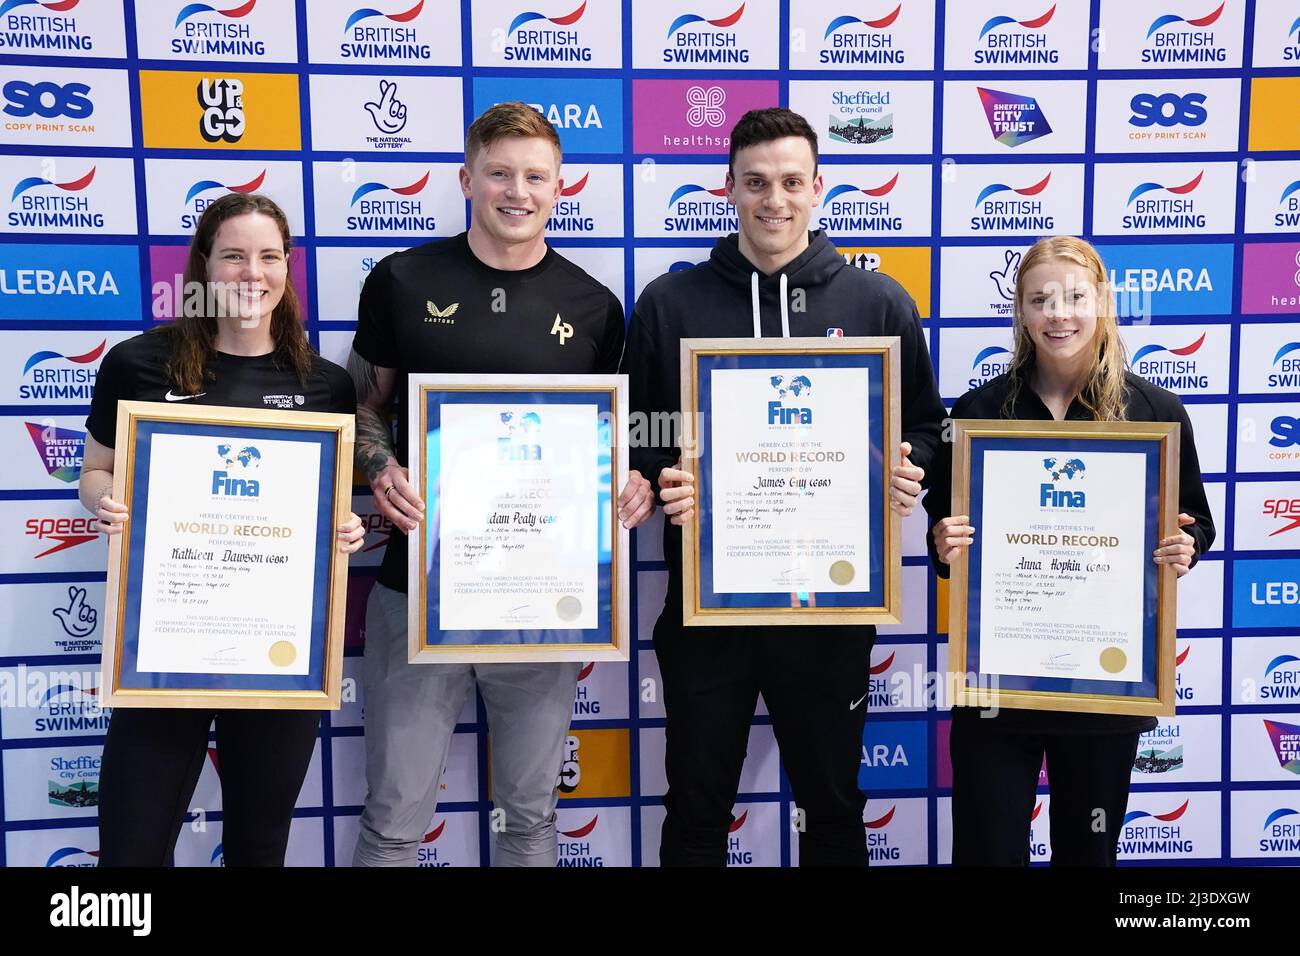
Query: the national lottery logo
[
  {"x": 1000, "y": 213},
  {"x": 695, "y": 39},
  {"x": 1161, "y": 212},
  {"x": 384, "y": 214},
  {"x": 74, "y": 781},
  {"x": 858, "y": 210},
  {"x": 40, "y": 203},
  {"x": 35, "y": 26},
  {"x": 1281, "y": 680},
  {"x": 989, "y": 363},
  {"x": 1014, "y": 118},
  {"x": 202, "y": 30},
  {"x": 72, "y": 856},
  {"x": 1280, "y": 836},
  {"x": 519, "y": 436},
  {"x": 862, "y": 117},
  {"x": 538, "y": 38},
  {"x": 371, "y": 34},
  {"x": 575, "y": 850},
  {"x": 222, "y": 103},
  {"x": 1172, "y": 39},
  {"x": 60, "y": 449},
  {"x": 55, "y": 377},
  {"x": 1070, "y": 470},
  {"x": 1004, "y": 280},
  {"x": 1006, "y": 41},
  {"x": 235, "y": 471},
  {"x": 1171, "y": 366},
  {"x": 789, "y": 407},
  {"x": 1154, "y": 833},
  {"x": 852, "y": 41},
  {"x": 1286, "y": 369},
  {"x": 388, "y": 113},
  {"x": 1286, "y": 744}
]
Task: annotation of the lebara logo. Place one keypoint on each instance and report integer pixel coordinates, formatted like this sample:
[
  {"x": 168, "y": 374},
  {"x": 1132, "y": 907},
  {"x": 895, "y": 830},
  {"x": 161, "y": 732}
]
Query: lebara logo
[
  {"x": 243, "y": 462},
  {"x": 1014, "y": 119},
  {"x": 1286, "y": 743},
  {"x": 196, "y": 202},
  {"x": 1050, "y": 496},
  {"x": 61, "y": 450},
  {"x": 847, "y": 213},
  {"x": 989, "y": 364},
  {"x": 71, "y": 856},
  {"x": 544, "y": 44},
  {"x": 60, "y": 383},
  {"x": 1012, "y": 215},
  {"x": 383, "y": 41},
  {"x": 1165, "y": 213},
  {"x": 1281, "y": 837},
  {"x": 688, "y": 43},
  {"x": 849, "y": 43},
  {"x": 576, "y": 850},
  {"x": 391, "y": 215},
  {"x": 48, "y": 210},
  {"x": 1161, "y": 836},
  {"x": 1290, "y": 203},
  {"x": 1011, "y": 47},
  {"x": 797, "y": 388},
  {"x": 1281, "y": 678},
  {"x": 1170, "y": 44},
  {"x": 519, "y": 438},
  {"x": 1176, "y": 373}
]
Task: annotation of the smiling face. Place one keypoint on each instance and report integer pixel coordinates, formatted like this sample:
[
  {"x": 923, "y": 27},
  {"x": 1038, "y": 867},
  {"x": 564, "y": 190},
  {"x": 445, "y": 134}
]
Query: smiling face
[
  {"x": 1058, "y": 307},
  {"x": 774, "y": 186},
  {"x": 512, "y": 185},
  {"x": 248, "y": 269}
]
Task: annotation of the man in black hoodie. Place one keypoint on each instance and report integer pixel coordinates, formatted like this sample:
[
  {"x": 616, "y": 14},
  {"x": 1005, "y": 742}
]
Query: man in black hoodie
[{"x": 773, "y": 279}]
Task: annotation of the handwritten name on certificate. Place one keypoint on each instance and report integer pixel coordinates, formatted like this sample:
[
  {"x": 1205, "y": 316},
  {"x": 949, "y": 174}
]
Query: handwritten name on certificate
[
  {"x": 1062, "y": 565},
  {"x": 519, "y": 524},
  {"x": 229, "y": 557},
  {"x": 789, "y": 480}
]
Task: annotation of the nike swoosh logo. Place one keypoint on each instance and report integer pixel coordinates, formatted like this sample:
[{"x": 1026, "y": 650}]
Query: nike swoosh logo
[
  {"x": 181, "y": 398},
  {"x": 854, "y": 705}
]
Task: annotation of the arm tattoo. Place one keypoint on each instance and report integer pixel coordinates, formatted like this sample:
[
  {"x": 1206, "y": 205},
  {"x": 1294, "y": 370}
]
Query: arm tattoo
[
  {"x": 374, "y": 447},
  {"x": 363, "y": 377}
]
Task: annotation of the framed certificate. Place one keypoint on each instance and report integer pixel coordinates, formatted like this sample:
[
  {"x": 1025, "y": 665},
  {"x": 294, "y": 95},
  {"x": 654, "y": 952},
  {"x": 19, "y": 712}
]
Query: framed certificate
[
  {"x": 521, "y": 556},
  {"x": 227, "y": 588},
  {"x": 791, "y": 442},
  {"x": 1058, "y": 604}
]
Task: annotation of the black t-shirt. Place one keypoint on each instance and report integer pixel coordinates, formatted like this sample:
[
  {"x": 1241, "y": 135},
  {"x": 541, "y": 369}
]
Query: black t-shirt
[
  {"x": 438, "y": 308},
  {"x": 1143, "y": 402},
  {"x": 136, "y": 370}
]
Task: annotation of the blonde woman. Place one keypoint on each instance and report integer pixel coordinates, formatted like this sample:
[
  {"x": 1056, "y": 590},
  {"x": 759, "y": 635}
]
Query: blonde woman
[{"x": 1069, "y": 364}]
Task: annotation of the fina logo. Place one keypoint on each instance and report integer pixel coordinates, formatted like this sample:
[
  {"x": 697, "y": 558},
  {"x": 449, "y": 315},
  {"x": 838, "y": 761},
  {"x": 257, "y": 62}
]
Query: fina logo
[
  {"x": 521, "y": 439},
  {"x": 1049, "y": 496},
  {"x": 247, "y": 459},
  {"x": 47, "y": 100},
  {"x": 852, "y": 215},
  {"x": 800, "y": 387},
  {"x": 1184, "y": 46},
  {"x": 705, "y": 46}
]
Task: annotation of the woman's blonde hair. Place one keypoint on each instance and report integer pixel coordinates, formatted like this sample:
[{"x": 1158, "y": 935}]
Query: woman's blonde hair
[{"x": 1103, "y": 389}]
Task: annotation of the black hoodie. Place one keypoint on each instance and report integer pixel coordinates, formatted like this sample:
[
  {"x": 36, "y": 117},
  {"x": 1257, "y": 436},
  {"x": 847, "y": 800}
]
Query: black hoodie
[{"x": 727, "y": 297}]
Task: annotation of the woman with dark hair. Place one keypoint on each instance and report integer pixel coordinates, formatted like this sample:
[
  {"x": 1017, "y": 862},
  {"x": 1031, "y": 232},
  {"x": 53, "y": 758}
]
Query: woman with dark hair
[
  {"x": 238, "y": 341},
  {"x": 1068, "y": 364}
]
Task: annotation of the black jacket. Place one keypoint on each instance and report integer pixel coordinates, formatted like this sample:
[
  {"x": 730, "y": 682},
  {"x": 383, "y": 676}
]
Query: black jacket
[
  {"x": 727, "y": 297},
  {"x": 1143, "y": 402}
]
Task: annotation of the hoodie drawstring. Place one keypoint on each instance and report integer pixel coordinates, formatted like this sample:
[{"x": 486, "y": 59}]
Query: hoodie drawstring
[{"x": 785, "y": 308}]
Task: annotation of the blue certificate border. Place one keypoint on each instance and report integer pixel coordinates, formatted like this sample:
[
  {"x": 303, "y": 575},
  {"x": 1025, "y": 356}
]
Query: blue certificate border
[
  {"x": 314, "y": 680},
  {"x": 874, "y": 595},
  {"x": 1151, "y": 450},
  {"x": 603, "y": 633}
]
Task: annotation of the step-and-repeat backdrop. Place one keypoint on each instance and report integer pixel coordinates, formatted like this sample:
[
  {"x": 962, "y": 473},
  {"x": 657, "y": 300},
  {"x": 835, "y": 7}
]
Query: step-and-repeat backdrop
[{"x": 952, "y": 133}]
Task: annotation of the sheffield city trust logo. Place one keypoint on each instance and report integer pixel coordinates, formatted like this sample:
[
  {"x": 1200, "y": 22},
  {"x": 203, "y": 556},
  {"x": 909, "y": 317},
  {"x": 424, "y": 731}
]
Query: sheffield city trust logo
[
  {"x": 1014, "y": 119},
  {"x": 243, "y": 462},
  {"x": 519, "y": 437},
  {"x": 1286, "y": 744},
  {"x": 1050, "y": 496},
  {"x": 847, "y": 213},
  {"x": 39, "y": 207},
  {"x": 795, "y": 388},
  {"x": 61, "y": 450}
]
